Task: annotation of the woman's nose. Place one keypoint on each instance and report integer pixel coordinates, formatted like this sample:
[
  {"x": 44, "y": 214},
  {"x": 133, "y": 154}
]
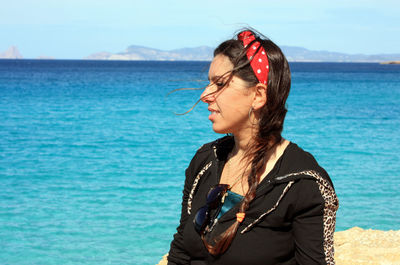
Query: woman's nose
[{"x": 208, "y": 94}]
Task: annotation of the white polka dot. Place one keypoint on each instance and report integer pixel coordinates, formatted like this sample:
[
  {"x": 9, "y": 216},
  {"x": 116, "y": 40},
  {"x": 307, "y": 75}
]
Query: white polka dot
[
  {"x": 260, "y": 60},
  {"x": 265, "y": 82},
  {"x": 254, "y": 47},
  {"x": 267, "y": 66},
  {"x": 263, "y": 52},
  {"x": 259, "y": 71}
]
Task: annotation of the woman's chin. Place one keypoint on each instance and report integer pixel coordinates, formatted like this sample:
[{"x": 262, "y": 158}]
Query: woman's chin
[{"x": 220, "y": 130}]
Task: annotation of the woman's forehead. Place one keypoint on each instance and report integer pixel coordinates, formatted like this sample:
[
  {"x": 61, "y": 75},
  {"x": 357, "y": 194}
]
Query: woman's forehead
[{"x": 220, "y": 66}]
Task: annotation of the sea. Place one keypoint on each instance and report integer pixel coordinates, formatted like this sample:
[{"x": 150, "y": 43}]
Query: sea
[{"x": 93, "y": 153}]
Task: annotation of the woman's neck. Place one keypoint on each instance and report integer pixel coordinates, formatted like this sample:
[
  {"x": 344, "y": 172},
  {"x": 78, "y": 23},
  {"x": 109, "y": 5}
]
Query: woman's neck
[{"x": 242, "y": 143}]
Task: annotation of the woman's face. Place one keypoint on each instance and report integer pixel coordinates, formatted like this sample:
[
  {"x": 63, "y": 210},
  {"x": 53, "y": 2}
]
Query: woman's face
[{"x": 228, "y": 101}]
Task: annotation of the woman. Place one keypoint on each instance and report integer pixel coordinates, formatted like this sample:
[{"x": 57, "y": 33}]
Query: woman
[{"x": 253, "y": 197}]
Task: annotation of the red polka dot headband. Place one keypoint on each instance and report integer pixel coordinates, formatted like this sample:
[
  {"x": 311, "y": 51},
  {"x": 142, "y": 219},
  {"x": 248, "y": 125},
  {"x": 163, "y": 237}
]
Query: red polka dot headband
[{"x": 256, "y": 55}]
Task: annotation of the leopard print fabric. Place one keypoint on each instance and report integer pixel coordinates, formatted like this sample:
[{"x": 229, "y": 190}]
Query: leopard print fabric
[{"x": 330, "y": 208}]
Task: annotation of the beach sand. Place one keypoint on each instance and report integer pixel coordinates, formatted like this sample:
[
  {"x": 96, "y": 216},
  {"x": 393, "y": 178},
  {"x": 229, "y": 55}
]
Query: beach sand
[{"x": 357, "y": 246}]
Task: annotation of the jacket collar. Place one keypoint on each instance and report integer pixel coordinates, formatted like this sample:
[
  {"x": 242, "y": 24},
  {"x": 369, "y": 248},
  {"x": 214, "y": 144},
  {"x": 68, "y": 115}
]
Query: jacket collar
[{"x": 222, "y": 147}]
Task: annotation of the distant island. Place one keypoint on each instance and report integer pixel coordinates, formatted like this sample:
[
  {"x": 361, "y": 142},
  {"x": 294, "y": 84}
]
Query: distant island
[
  {"x": 391, "y": 62},
  {"x": 204, "y": 53},
  {"x": 11, "y": 53}
]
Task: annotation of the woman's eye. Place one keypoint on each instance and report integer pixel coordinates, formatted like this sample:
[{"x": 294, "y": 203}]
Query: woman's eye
[{"x": 220, "y": 84}]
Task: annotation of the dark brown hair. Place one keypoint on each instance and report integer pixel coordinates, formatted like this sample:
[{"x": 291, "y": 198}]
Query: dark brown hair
[{"x": 270, "y": 126}]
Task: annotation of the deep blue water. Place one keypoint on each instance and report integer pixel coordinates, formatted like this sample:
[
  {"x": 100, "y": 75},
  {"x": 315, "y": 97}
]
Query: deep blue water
[{"x": 92, "y": 156}]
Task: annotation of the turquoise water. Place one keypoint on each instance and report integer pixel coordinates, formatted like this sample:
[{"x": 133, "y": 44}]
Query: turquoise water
[{"x": 92, "y": 157}]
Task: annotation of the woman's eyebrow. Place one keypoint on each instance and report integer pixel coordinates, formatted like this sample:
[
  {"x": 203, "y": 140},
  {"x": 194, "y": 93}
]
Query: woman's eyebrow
[{"x": 215, "y": 77}]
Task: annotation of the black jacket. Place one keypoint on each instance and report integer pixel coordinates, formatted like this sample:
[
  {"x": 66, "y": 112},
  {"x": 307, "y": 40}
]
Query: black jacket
[{"x": 290, "y": 221}]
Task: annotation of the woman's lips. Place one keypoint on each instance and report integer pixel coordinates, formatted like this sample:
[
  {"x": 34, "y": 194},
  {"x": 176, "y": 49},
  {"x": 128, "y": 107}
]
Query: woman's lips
[{"x": 213, "y": 114}]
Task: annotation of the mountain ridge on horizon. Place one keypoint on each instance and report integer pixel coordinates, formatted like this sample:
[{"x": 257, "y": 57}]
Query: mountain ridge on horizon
[{"x": 204, "y": 53}]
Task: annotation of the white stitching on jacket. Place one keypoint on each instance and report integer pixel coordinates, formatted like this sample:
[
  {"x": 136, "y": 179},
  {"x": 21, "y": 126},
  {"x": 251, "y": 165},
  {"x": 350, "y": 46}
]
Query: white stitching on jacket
[
  {"x": 195, "y": 182},
  {"x": 247, "y": 228}
]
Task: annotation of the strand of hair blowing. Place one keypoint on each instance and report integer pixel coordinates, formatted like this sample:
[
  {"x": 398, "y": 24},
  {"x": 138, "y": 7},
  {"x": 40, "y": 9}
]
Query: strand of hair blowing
[{"x": 272, "y": 116}]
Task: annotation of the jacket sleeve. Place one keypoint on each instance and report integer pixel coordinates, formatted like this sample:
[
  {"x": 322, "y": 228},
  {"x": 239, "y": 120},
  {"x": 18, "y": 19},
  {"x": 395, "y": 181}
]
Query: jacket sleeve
[
  {"x": 177, "y": 253},
  {"x": 314, "y": 223}
]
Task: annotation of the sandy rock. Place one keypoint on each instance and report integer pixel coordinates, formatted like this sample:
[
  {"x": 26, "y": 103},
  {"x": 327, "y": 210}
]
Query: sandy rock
[
  {"x": 367, "y": 247},
  {"x": 357, "y": 246},
  {"x": 163, "y": 261}
]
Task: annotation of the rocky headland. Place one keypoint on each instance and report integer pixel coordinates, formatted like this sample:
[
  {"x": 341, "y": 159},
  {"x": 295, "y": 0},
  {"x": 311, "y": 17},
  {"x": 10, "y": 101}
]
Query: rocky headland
[{"x": 357, "y": 246}]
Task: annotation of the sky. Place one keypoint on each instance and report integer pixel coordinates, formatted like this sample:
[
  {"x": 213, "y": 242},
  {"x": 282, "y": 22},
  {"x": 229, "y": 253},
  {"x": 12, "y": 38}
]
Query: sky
[{"x": 73, "y": 29}]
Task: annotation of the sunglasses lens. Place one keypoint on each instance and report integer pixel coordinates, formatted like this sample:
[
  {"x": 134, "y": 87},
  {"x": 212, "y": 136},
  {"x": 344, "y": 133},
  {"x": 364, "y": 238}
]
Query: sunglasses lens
[
  {"x": 215, "y": 193},
  {"x": 214, "y": 196},
  {"x": 201, "y": 218}
]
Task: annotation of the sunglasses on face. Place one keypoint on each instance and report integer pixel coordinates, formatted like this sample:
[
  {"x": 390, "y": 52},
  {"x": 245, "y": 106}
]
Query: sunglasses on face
[{"x": 213, "y": 201}]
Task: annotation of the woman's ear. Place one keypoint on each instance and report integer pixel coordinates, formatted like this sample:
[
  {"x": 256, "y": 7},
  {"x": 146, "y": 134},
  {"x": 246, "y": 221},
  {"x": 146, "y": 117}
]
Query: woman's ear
[{"x": 260, "y": 96}]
